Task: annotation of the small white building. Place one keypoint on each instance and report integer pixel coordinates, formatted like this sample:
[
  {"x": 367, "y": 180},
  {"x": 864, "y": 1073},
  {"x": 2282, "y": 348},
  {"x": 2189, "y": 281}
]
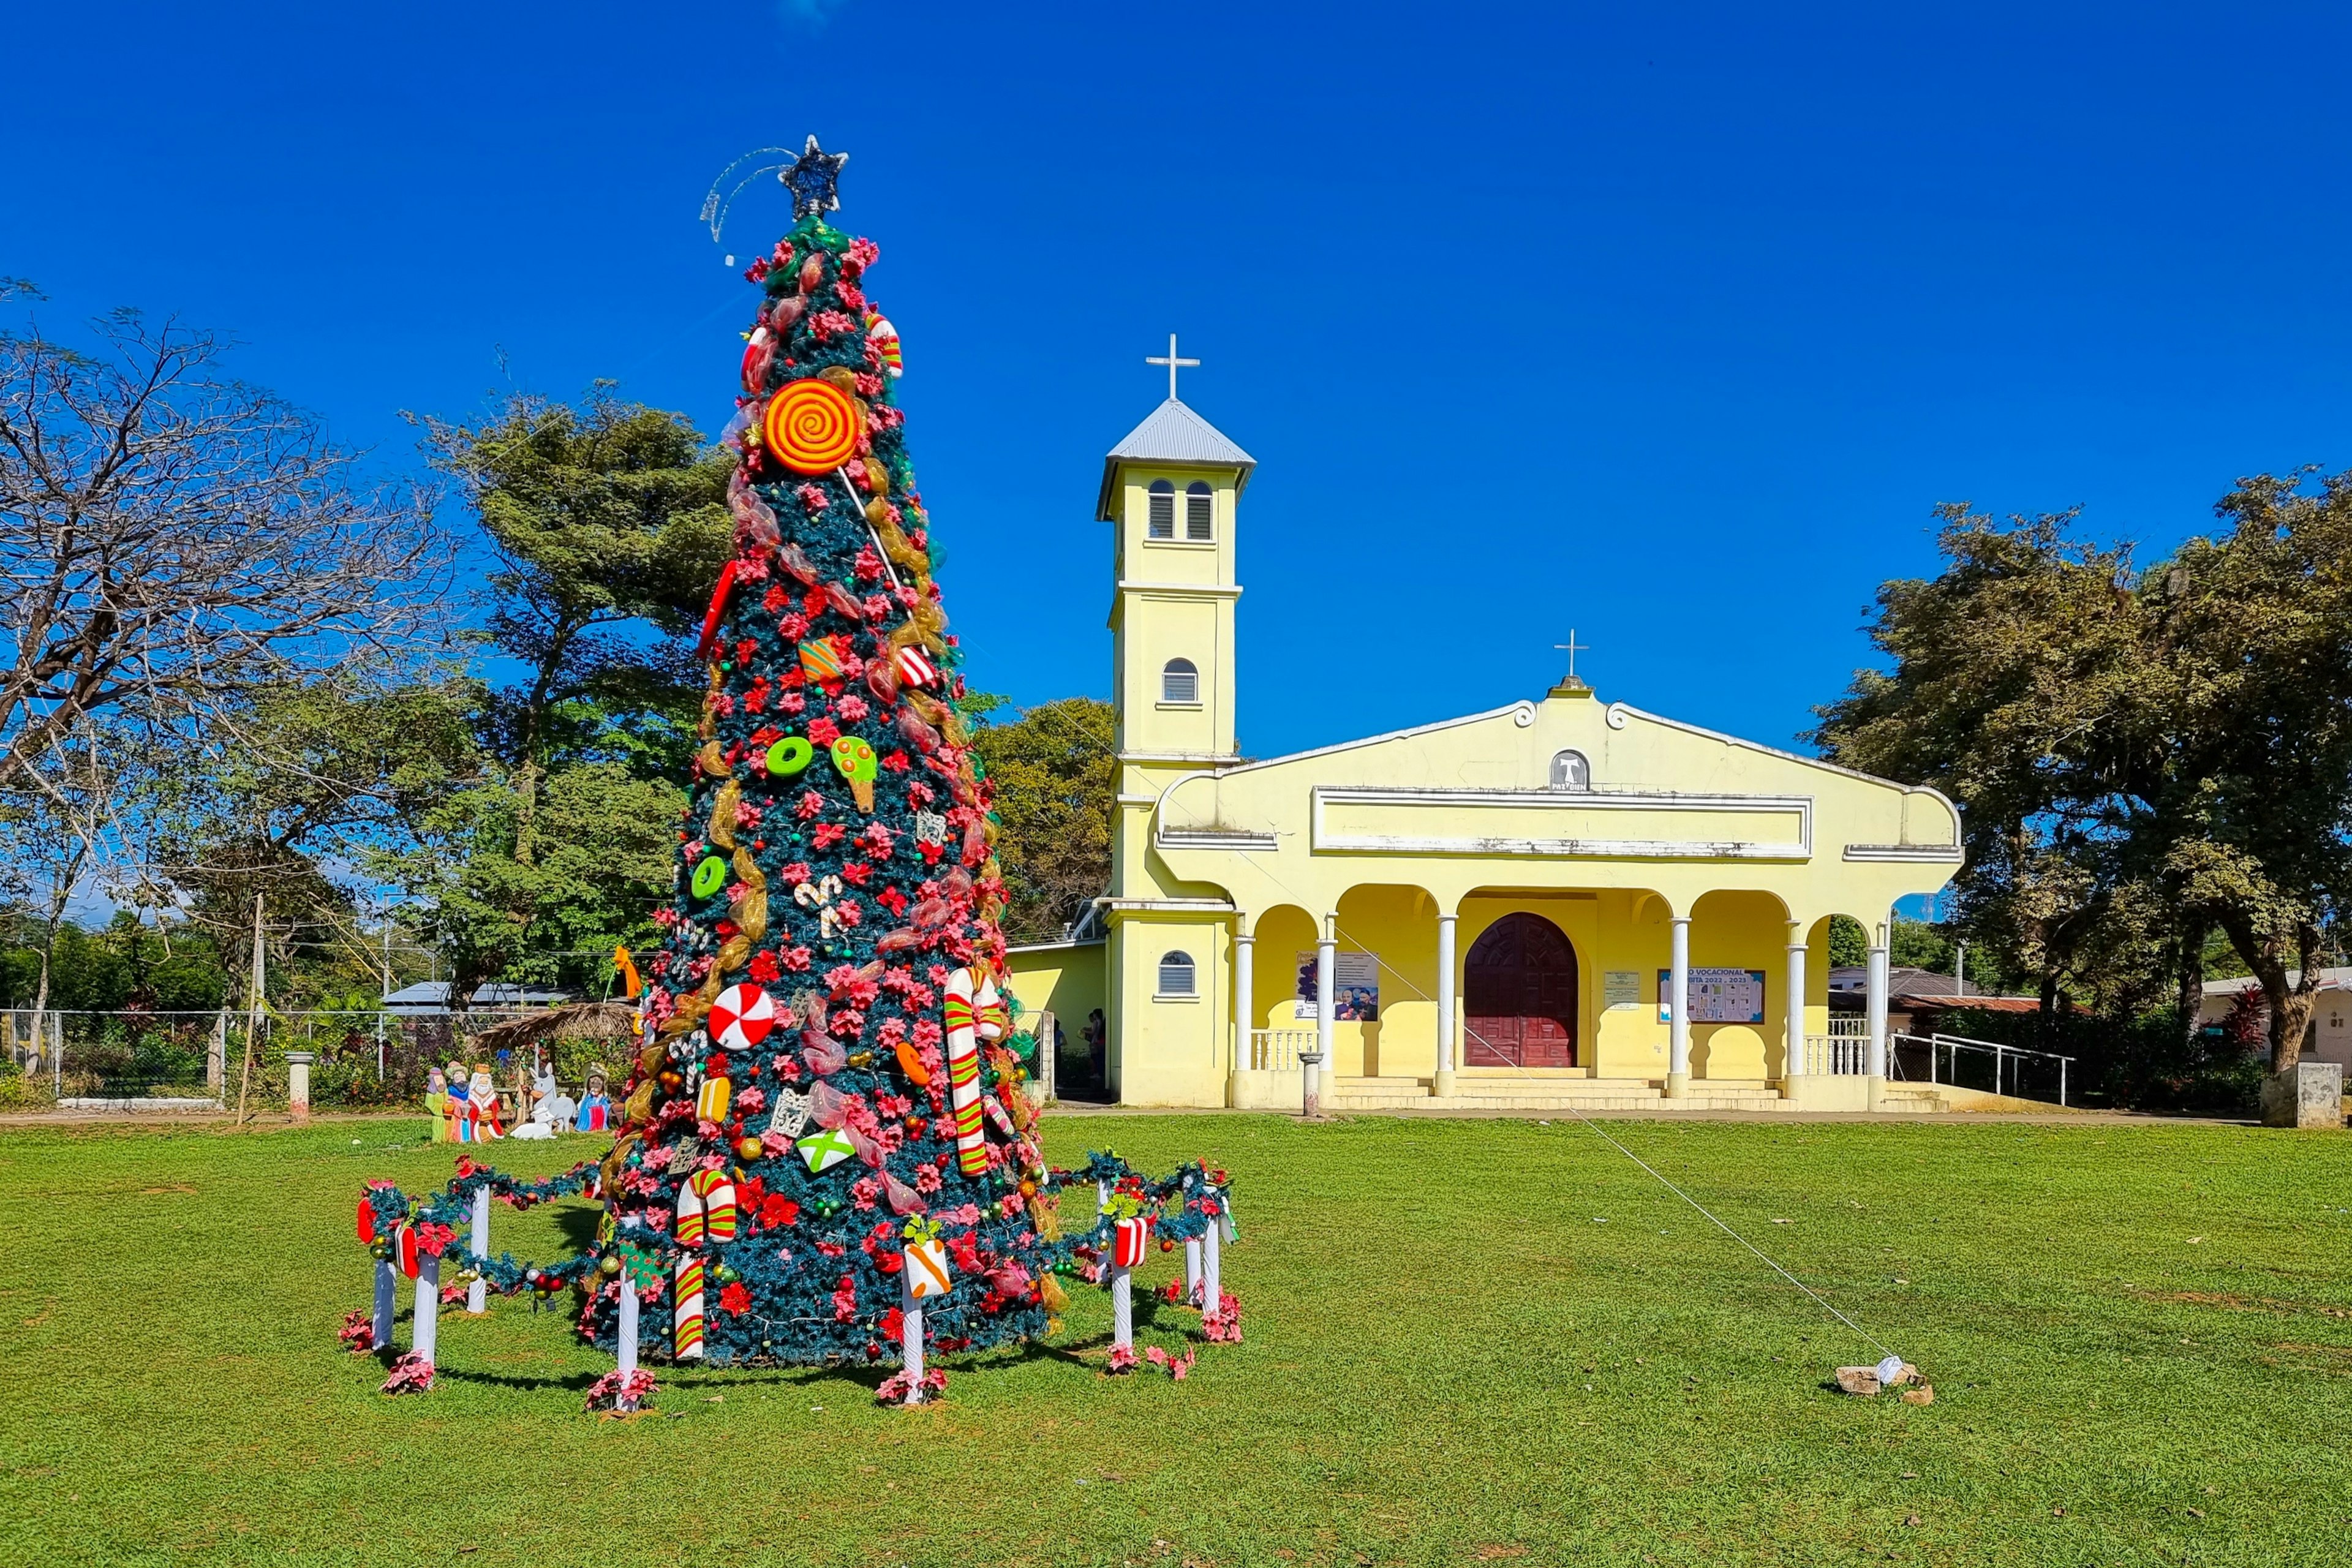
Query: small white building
[{"x": 2329, "y": 1038}]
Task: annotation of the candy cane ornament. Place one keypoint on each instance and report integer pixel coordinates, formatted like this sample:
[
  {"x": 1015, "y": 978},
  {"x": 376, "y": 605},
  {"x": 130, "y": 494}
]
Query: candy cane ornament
[
  {"x": 706, "y": 1209},
  {"x": 974, "y": 1012},
  {"x": 686, "y": 1329}
]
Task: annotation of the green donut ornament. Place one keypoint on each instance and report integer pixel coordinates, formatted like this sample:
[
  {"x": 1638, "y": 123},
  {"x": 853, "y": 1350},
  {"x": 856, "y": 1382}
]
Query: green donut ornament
[
  {"x": 789, "y": 756},
  {"x": 710, "y": 877}
]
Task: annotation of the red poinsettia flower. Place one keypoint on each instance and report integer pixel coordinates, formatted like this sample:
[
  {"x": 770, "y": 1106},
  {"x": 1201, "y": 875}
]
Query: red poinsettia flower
[{"x": 735, "y": 1299}]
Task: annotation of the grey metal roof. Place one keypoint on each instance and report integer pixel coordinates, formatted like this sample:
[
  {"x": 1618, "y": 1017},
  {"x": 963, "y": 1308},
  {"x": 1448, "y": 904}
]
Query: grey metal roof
[
  {"x": 431, "y": 996},
  {"x": 1173, "y": 433}
]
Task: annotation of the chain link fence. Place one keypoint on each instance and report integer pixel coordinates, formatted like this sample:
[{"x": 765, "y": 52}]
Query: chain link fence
[{"x": 189, "y": 1061}]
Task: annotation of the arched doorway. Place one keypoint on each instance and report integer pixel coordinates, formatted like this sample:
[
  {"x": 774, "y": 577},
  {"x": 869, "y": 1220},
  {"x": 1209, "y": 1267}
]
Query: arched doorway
[{"x": 1519, "y": 997}]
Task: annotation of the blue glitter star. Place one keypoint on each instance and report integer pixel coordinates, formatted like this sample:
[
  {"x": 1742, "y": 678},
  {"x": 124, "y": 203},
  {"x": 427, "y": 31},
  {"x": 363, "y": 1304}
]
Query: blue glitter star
[{"x": 813, "y": 180}]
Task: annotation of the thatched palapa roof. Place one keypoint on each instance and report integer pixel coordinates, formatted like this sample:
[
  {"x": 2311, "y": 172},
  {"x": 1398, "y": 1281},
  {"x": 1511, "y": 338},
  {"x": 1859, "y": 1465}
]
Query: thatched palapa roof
[{"x": 580, "y": 1021}]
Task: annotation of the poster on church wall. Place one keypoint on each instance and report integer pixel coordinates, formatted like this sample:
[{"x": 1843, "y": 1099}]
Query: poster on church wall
[
  {"x": 1620, "y": 988},
  {"x": 1355, "y": 987},
  {"x": 1717, "y": 996}
]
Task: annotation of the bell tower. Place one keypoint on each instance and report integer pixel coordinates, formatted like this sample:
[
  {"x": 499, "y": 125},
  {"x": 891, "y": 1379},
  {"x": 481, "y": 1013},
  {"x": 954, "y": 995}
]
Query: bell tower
[{"x": 1172, "y": 490}]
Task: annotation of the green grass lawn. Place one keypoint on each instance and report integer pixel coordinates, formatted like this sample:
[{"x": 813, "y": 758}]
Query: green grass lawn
[{"x": 1466, "y": 1341}]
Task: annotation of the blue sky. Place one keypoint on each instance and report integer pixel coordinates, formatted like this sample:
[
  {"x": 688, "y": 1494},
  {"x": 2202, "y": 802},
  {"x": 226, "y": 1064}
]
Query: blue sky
[{"x": 1668, "y": 323}]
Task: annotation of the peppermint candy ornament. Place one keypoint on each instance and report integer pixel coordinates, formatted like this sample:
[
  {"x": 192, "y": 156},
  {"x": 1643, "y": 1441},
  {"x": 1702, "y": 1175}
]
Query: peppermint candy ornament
[
  {"x": 914, "y": 667},
  {"x": 741, "y": 1016}
]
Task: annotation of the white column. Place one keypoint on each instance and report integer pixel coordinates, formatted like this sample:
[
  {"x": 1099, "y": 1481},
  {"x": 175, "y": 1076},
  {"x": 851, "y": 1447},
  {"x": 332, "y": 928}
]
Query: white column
[
  {"x": 387, "y": 1300},
  {"x": 1244, "y": 1004},
  {"x": 1678, "y": 1005},
  {"x": 298, "y": 1085},
  {"x": 477, "y": 1242},
  {"x": 424, "y": 1320},
  {"x": 1794, "y": 1067},
  {"x": 1192, "y": 1270},
  {"x": 1877, "y": 1004},
  {"x": 1326, "y": 948},
  {"x": 1441, "y": 1085}
]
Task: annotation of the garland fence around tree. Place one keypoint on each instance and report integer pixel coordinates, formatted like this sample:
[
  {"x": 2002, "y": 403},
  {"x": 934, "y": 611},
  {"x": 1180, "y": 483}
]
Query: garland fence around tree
[{"x": 824, "y": 1154}]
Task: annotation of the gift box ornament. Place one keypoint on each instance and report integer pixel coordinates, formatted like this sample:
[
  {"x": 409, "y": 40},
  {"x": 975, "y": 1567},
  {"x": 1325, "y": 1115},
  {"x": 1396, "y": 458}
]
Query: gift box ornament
[
  {"x": 822, "y": 1150},
  {"x": 706, "y": 1209},
  {"x": 1129, "y": 1240},
  {"x": 926, "y": 1264},
  {"x": 687, "y": 1327}
]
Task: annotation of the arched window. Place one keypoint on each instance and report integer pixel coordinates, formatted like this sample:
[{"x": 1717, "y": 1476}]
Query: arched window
[
  {"x": 1175, "y": 974},
  {"x": 1570, "y": 771},
  {"x": 1163, "y": 510},
  {"x": 1180, "y": 682},
  {"x": 1196, "y": 512}
]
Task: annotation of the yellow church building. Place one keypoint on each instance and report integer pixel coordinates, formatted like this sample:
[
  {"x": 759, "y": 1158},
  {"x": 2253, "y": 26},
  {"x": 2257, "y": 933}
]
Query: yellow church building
[{"x": 1566, "y": 901}]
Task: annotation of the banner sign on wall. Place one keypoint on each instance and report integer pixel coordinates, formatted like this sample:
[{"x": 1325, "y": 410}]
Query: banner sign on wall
[
  {"x": 1355, "y": 985},
  {"x": 1717, "y": 996}
]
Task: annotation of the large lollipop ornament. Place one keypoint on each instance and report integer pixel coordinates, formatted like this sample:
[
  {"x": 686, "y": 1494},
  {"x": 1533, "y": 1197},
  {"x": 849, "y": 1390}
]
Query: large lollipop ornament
[{"x": 811, "y": 426}]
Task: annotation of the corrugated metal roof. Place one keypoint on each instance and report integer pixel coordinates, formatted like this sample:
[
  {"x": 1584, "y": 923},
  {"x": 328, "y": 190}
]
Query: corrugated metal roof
[{"x": 1173, "y": 433}]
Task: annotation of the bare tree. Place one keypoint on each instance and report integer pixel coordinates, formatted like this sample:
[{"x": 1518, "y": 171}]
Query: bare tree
[{"x": 171, "y": 537}]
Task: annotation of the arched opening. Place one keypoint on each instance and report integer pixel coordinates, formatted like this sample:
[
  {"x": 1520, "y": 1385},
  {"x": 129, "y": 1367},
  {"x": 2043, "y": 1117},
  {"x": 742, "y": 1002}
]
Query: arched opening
[
  {"x": 1518, "y": 995},
  {"x": 1179, "y": 681},
  {"x": 1161, "y": 523}
]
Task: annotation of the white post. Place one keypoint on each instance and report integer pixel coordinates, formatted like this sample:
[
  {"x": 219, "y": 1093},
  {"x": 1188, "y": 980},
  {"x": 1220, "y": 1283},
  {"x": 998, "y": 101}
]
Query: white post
[
  {"x": 477, "y": 1242},
  {"x": 216, "y": 1058},
  {"x": 1794, "y": 1067},
  {"x": 1875, "y": 1004},
  {"x": 424, "y": 1321},
  {"x": 1244, "y": 1009},
  {"x": 1122, "y": 1308},
  {"x": 387, "y": 1300},
  {"x": 1441, "y": 1085},
  {"x": 1213, "y": 1286},
  {"x": 1326, "y": 948},
  {"x": 624, "y": 1334},
  {"x": 910, "y": 1338},
  {"x": 1192, "y": 1271},
  {"x": 625, "y": 1338},
  {"x": 1678, "y": 1013}
]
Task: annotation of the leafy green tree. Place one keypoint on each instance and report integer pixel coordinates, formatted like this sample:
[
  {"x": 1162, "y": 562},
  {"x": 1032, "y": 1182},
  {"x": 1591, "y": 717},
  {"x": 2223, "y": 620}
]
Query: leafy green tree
[
  {"x": 610, "y": 519},
  {"x": 1056, "y": 774},
  {"x": 2141, "y": 755}
]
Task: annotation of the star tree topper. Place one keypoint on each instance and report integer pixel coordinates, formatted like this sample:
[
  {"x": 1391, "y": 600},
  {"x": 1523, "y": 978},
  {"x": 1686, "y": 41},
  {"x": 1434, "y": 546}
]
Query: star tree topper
[{"x": 813, "y": 180}]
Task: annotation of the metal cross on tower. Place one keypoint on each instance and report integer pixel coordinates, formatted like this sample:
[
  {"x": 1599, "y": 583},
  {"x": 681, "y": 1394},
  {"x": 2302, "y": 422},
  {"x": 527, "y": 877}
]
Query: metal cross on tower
[
  {"x": 1171, "y": 362},
  {"x": 1572, "y": 647}
]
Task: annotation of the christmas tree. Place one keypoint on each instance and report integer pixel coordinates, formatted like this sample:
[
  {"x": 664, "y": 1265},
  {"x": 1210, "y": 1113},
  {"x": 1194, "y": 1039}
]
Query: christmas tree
[
  {"x": 824, "y": 1153},
  {"x": 826, "y": 1093}
]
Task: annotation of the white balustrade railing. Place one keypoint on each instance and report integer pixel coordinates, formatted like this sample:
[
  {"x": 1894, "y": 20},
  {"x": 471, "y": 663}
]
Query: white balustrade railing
[
  {"x": 1277, "y": 1050},
  {"x": 1837, "y": 1056}
]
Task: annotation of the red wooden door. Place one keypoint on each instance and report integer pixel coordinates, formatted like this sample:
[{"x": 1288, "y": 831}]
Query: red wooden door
[{"x": 1519, "y": 997}]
